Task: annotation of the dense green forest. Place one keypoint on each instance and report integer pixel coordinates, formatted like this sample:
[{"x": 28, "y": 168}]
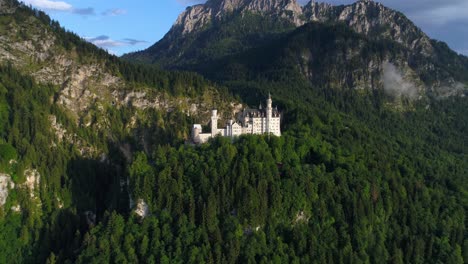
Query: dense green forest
[
  {"x": 70, "y": 184},
  {"x": 52, "y": 217},
  {"x": 27, "y": 137},
  {"x": 230, "y": 35},
  {"x": 352, "y": 180},
  {"x": 344, "y": 188}
]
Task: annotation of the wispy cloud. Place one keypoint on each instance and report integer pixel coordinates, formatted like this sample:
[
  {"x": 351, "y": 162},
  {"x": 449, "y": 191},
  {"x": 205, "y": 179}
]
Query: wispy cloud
[
  {"x": 106, "y": 42},
  {"x": 134, "y": 42},
  {"x": 395, "y": 84},
  {"x": 89, "y": 11},
  {"x": 59, "y": 6},
  {"x": 190, "y": 2},
  {"x": 114, "y": 12}
]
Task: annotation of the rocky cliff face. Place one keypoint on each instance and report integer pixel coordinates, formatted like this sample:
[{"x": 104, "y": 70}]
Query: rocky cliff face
[
  {"x": 372, "y": 19},
  {"x": 364, "y": 16},
  {"x": 6, "y": 7},
  {"x": 5, "y": 185},
  {"x": 198, "y": 16}
]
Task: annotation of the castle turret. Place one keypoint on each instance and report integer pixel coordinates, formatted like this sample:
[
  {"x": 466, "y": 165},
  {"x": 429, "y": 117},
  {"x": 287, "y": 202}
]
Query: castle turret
[
  {"x": 269, "y": 111},
  {"x": 231, "y": 122},
  {"x": 214, "y": 122},
  {"x": 196, "y": 131}
]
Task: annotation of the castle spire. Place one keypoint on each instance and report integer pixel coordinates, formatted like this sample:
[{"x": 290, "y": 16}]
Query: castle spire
[{"x": 269, "y": 101}]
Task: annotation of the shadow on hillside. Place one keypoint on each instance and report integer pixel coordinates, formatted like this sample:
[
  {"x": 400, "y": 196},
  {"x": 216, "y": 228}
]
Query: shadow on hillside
[{"x": 96, "y": 186}]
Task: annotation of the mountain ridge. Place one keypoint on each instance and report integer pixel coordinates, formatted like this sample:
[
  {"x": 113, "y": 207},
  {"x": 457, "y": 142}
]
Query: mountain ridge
[
  {"x": 222, "y": 29},
  {"x": 196, "y": 17}
]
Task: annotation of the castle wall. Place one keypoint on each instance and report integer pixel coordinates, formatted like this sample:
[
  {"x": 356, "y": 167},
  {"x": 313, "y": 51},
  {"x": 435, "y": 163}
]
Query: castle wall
[
  {"x": 203, "y": 138},
  {"x": 275, "y": 126},
  {"x": 258, "y": 125},
  {"x": 236, "y": 130},
  {"x": 220, "y": 131},
  {"x": 247, "y": 129}
]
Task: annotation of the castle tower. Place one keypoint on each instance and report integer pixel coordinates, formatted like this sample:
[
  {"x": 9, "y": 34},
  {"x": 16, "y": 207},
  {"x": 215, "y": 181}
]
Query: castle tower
[
  {"x": 214, "y": 122},
  {"x": 269, "y": 111},
  {"x": 196, "y": 131}
]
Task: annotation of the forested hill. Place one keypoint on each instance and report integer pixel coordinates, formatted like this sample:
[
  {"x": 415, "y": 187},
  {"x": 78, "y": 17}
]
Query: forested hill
[
  {"x": 368, "y": 187},
  {"x": 94, "y": 169},
  {"x": 71, "y": 117}
]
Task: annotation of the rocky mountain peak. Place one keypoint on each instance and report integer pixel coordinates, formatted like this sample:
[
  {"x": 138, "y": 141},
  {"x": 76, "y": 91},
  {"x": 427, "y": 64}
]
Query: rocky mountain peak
[
  {"x": 364, "y": 16},
  {"x": 195, "y": 17},
  {"x": 228, "y": 5},
  {"x": 373, "y": 19},
  {"x": 254, "y": 5}
]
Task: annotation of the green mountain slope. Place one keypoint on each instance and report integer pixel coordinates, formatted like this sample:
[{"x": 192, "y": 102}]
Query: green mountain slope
[
  {"x": 335, "y": 57},
  {"x": 94, "y": 169},
  {"x": 372, "y": 186},
  {"x": 71, "y": 117}
]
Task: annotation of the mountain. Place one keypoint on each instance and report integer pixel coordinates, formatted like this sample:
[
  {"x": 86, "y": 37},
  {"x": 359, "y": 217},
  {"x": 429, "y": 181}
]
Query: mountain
[
  {"x": 220, "y": 31},
  {"x": 95, "y": 167}
]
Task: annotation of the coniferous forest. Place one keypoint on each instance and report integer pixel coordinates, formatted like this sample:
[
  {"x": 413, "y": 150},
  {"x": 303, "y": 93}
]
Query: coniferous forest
[
  {"x": 354, "y": 178},
  {"x": 368, "y": 186}
]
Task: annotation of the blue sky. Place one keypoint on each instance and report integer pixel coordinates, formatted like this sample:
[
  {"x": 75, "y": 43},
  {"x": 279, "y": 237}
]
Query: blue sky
[{"x": 121, "y": 26}]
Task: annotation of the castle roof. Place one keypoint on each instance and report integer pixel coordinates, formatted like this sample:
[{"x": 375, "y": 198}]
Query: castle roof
[{"x": 258, "y": 112}]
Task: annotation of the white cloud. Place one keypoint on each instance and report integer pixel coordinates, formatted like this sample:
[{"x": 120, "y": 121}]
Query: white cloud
[
  {"x": 50, "y": 5},
  {"x": 59, "y": 6}
]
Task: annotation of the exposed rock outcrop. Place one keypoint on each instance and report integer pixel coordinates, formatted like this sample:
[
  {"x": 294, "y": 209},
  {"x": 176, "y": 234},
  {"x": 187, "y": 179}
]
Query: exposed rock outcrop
[
  {"x": 85, "y": 86},
  {"x": 301, "y": 217},
  {"x": 196, "y": 17},
  {"x": 16, "y": 208},
  {"x": 142, "y": 208},
  {"x": 6, "y": 184},
  {"x": 31, "y": 185},
  {"x": 6, "y": 7},
  {"x": 372, "y": 18},
  {"x": 33, "y": 179},
  {"x": 62, "y": 135}
]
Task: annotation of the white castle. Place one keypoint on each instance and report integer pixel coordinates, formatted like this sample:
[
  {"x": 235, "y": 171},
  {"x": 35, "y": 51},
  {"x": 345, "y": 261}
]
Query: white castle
[{"x": 249, "y": 121}]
